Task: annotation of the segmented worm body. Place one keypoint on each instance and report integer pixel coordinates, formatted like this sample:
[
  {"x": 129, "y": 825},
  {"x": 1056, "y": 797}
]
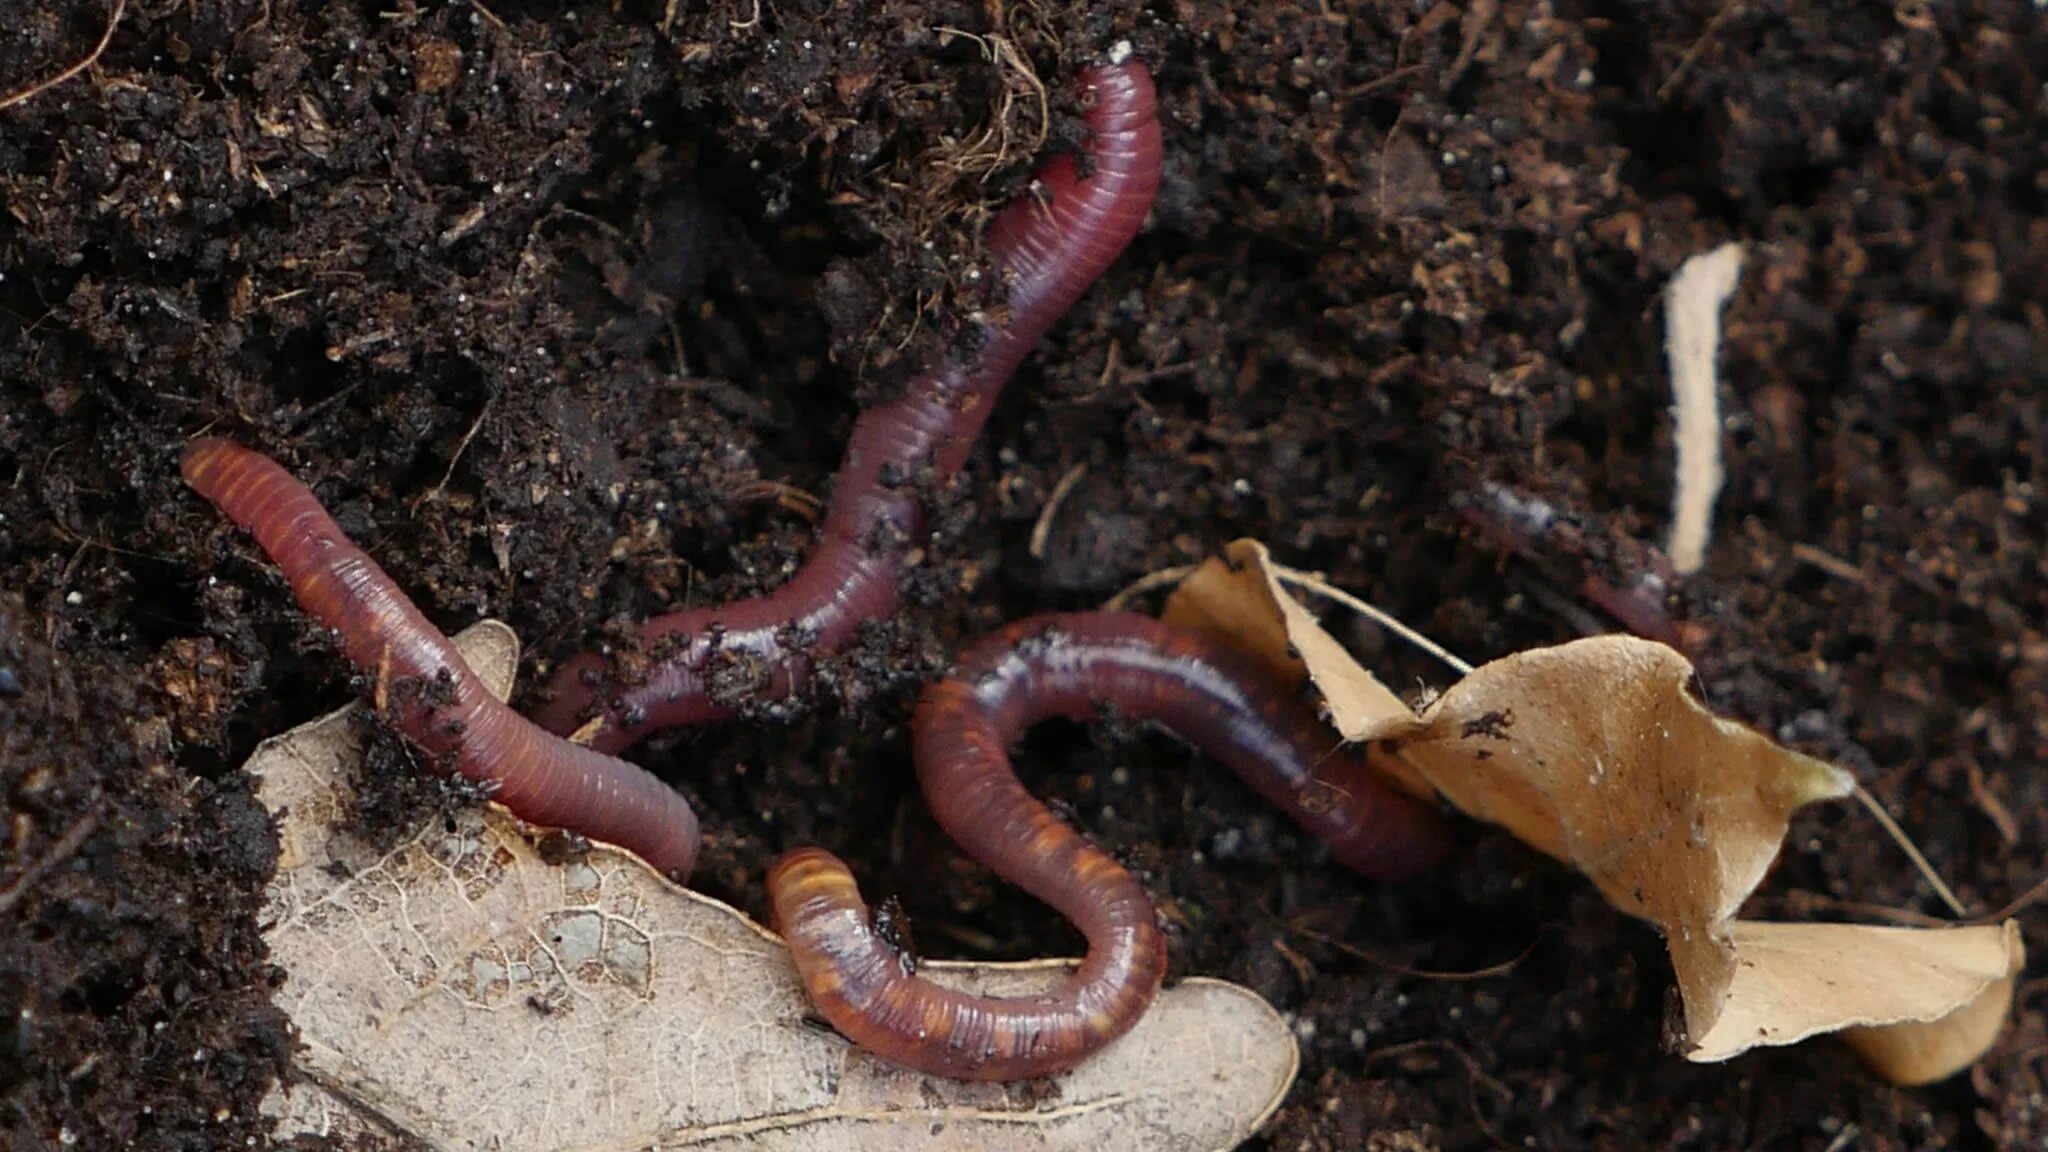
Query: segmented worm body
[
  {"x": 1525, "y": 523},
  {"x": 1072, "y": 666},
  {"x": 1052, "y": 244},
  {"x": 441, "y": 705}
]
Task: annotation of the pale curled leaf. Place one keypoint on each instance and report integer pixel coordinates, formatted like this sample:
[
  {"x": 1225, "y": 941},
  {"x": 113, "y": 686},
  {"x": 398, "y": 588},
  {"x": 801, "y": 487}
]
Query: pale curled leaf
[
  {"x": 1793, "y": 981},
  {"x": 1598, "y": 750},
  {"x": 463, "y": 993},
  {"x": 1596, "y": 753},
  {"x": 1923, "y": 1051},
  {"x": 1236, "y": 598}
]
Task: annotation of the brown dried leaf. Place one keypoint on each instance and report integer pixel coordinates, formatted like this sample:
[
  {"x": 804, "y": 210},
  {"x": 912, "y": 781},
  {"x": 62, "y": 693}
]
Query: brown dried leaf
[
  {"x": 464, "y": 994},
  {"x": 1237, "y": 598},
  {"x": 1941, "y": 995},
  {"x": 1597, "y": 753}
]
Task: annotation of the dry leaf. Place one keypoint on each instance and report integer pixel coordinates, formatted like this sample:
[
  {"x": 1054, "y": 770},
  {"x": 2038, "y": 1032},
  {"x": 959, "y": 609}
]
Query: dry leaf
[
  {"x": 462, "y": 993},
  {"x": 1950, "y": 1039},
  {"x": 1798, "y": 980},
  {"x": 1236, "y": 598},
  {"x": 1597, "y": 753}
]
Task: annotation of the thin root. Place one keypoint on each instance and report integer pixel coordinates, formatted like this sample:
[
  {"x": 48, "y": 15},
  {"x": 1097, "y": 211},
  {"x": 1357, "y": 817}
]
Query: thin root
[
  {"x": 1476, "y": 1078},
  {"x": 448, "y": 473},
  {"x": 1042, "y": 531},
  {"x": 1487, "y": 973},
  {"x": 73, "y": 839},
  {"x": 988, "y": 152},
  {"x": 1314, "y": 583},
  {"x": 1898, "y": 835},
  {"x": 1299, "y": 579},
  {"x": 1150, "y": 581},
  {"x": 91, "y": 58}
]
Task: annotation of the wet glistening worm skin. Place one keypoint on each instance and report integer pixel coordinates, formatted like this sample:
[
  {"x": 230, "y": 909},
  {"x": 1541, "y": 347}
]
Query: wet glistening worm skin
[
  {"x": 1051, "y": 245},
  {"x": 442, "y": 707},
  {"x": 1072, "y": 666}
]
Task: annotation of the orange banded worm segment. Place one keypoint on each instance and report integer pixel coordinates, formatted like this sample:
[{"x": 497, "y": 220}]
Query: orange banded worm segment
[{"x": 1072, "y": 666}]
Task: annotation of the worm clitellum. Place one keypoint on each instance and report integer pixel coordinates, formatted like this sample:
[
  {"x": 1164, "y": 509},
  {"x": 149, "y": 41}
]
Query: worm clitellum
[
  {"x": 1051, "y": 244},
  {"x": 441, "y": 705},
  {"x": 1071, "y": 665}
]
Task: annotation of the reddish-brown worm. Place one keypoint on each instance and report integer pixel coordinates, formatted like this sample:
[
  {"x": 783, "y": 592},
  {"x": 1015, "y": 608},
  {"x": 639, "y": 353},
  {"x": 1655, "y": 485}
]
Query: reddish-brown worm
[
  {"x": 1051, "y": 245},
  {"x": 1523, "y": 522},
  {"x": 441, "y": 705},
  {"x": 1071, "y": 665}
]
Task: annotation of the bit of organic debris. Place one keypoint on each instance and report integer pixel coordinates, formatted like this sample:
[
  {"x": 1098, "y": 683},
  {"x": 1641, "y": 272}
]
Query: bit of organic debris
[
  {"x": 1692, "y": 320},
  {"x": 1598, "y": 754}
]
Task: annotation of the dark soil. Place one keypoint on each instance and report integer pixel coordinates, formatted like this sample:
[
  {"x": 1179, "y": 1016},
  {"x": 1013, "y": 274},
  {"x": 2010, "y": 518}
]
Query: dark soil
[{"x": 565, "y": 314}]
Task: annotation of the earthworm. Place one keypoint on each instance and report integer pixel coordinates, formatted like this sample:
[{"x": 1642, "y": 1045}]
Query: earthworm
[
  {"x": 441, "y": 705},
  {"x": 1528, "y": 524},
  {"x": 1072, "y": 665},
  {"x": 1052, "y": 244}
]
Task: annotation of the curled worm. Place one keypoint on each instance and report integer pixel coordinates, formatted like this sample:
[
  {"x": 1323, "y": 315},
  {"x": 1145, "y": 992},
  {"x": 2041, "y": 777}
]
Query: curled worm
[
  {"x": 1051, "y": 244},
  {"x": 1071, "y": 666},
  {"x": 442, "y": 707}
]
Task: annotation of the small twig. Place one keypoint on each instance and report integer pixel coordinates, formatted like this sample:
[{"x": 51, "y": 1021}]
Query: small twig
[
  {"x": 1478, "y": 16},
  {"x": 2025, "y": 900},
  {"x": 1304, "y": 968},
  {"x": 73, "y": 839},
  {"x": 788, "y": 497},
  {"x": 1042, "y": 531},
  {"x": 1487, "y": 973},
  {"x": 1827, "y": 562},
  {"x": 1692, "y": 53},
  {"x": 1476, "y": 1077},
  {"x": 1313, "y": 583},
  {"x": 1993, "y": 808},
  {"x": 491, "y": 16},
  {"x": 91, "y": 58},
  {"x": 321, "y": 406},
  {"x": 1806, "y": 904},
  {"x": 1898, "y": 834},
  {"x": 434, "y": 493}
]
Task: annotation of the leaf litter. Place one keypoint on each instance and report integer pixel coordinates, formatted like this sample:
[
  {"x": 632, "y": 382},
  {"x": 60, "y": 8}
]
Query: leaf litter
[
  {"x": 1597, "y": 753},
  {"x": 459, "y": 992}
]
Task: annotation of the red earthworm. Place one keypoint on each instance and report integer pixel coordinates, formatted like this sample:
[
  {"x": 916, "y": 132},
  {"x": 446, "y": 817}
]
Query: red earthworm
[
  {"x": 442, "y": 707},
  {"x": 1526, "y": 523},
  {"x": 1051, "y": 244},
  {"x": 1069, "y": 665}
]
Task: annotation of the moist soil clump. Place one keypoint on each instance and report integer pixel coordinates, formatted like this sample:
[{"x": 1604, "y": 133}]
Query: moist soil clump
[{"x": 565, "y": 310}]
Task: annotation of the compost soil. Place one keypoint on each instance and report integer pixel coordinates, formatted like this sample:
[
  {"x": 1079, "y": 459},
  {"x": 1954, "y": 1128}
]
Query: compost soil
[{"x": 565, "y": 309}]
